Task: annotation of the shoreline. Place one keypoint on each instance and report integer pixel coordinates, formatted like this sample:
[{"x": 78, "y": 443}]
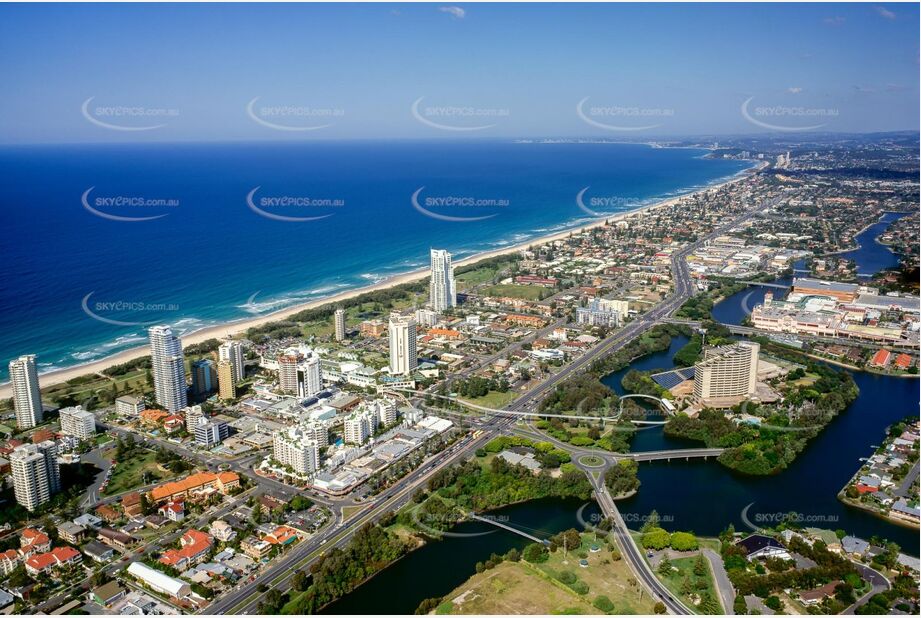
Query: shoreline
[{"x": 236, "y": 327}]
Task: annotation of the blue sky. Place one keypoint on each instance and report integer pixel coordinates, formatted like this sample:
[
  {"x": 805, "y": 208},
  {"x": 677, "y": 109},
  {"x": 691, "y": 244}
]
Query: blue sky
[{"x": 188, "y": 72}]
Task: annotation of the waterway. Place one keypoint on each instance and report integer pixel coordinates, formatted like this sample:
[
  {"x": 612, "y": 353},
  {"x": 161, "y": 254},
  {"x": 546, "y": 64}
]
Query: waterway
[
  {"x": 873, "y": 257},
  {"x": 701, "y": 496},
  {"x": 440, "y": 566}
]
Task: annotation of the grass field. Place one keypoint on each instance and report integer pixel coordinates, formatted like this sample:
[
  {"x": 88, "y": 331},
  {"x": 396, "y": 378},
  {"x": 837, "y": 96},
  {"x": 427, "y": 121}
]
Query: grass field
[
  {"x": 528, "y": 292},
  {"x": 522, "y": 588},
  {"x": 130, "y": 473},
  {"x": 493, "y": 399},
  {"x": 683, "y": 569}
]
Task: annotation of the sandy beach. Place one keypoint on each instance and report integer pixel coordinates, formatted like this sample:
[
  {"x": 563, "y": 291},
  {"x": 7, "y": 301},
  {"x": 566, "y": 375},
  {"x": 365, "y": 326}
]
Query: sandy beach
[{"x": 237, "y": 327}]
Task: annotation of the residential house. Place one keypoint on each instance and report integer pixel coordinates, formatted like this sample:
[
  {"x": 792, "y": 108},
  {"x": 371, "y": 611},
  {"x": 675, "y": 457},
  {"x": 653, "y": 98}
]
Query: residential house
[
  {"x": 114, "y": 538},
  {"x": 131, "y": 504},
  {"x": 173, "y": 510},
  {"x": 194, "y": 548},
  {"x": 59, "y": 556},
  {"x": 71, "y": 532},
  {"x": 32, "y": 541},
  {"x": 107, "y": 594},
  {"x": 222, "y": 531},
  {"x": 761, "y": 546},
  {"x": 98, "y": 552},
  {"x": 9, "y": 560}
]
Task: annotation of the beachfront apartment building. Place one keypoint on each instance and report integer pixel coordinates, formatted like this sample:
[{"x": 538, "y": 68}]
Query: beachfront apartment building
[
  {"x": 226, "y": 383},
  {"x": 77, "y": 422},
  {"x": 295, "y": 448},
  {"x": 339, "y": 324},
  {"x": 129, "y": 406},
  {"x": 232, "y": 352},
  {"x": 442, "y": 291},
  {"x": 299, "y": 373},
  {"x": 401, "y": 331},
  {"x": 727, "y": 375},
  {"x": 36, "y": 473},
  {"x": 204, "y": 377},
  {"x": 27, "y": 398},
  {"x": 168, "y": 367}
]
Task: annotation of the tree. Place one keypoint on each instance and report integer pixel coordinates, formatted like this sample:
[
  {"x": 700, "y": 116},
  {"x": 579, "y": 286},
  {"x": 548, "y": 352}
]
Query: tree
[
  {"x": 774, "y": 602},
  {"x": 659, "y": 608},
  {"x": 656, "y": 538},
  {"x": 708, "y": 604},
  {"x": 652, "y": 521},
  {"x": 665, "y": 567},
  {"x": 603, "y": 603},
  {"x": 738, "y": 606},
  {"x": 683, "y": 541},
  {"x": 700, "y": 566},
  {"x": 535, "y": 552},
  {"x": 299, "y": 581}
]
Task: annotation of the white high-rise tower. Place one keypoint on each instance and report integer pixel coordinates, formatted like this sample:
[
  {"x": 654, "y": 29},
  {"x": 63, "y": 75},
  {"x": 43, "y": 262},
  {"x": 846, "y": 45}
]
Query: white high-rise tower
[
  {"x": 340, "y": 324},
  {"x": 402, "y": 332},
  {"x": 27, "y": 398},
  {"x": 442, "y": 293},
  {"x": 232, "y": 352},
  {"x": 168, "y": 365},
  {"x": 36, "y": 474}
]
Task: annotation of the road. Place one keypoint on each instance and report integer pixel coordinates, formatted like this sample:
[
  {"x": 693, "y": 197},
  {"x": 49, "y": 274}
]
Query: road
[
  {"x": 631, "y": 552},
  {"x": 877, "y": 581}
]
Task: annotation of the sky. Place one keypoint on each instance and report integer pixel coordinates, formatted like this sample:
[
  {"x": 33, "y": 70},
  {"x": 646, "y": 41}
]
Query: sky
[{"x": 206, "y": 72}]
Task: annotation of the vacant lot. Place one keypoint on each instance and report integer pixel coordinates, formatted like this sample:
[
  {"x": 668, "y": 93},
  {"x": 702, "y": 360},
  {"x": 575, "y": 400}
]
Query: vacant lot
[
  {"x": 139, "y": 469},
  {"x": 522, "y": 588},
  {"x": 528, "y": 292}
]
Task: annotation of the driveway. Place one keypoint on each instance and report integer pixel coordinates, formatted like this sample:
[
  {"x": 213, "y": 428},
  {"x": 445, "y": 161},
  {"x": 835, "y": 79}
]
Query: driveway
[{"x": 723, "y": 585}]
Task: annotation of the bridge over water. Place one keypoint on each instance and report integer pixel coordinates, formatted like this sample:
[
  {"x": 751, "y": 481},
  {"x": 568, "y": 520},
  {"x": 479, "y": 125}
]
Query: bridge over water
[{"x": 499, "y": 524}]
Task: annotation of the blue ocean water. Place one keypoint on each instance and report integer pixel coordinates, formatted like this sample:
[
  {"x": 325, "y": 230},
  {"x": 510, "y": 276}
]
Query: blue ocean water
[{"x": 207, "y": 254}]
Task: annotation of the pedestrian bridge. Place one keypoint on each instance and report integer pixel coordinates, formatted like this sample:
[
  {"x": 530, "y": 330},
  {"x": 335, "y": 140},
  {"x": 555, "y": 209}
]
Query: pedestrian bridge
[
  {"x": 664, "y": 404},
  {"x": 499, "y": 524}
]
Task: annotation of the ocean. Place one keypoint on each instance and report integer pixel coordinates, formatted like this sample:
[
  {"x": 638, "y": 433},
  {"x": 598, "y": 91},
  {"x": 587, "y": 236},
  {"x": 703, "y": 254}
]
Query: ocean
[{"x": 102, "y": 240}]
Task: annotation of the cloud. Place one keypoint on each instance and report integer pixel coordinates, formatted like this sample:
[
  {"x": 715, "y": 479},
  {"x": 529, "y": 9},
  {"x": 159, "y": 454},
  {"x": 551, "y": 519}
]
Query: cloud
[
  {"x": 863, "y": 89},
  {"x": 454, "y": 11},
  {"x": 794, "y": 90},
  {"x": 884, "y": 12},
  {"x": 837, "y": 20},
  {"x": 895, "y": 87}
]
